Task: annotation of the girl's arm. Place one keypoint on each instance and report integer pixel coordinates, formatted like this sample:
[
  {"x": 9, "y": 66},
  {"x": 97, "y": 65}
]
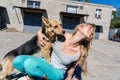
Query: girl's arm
[
  {"x": 70, "y": 73},
  {"x": 74, "y": 73}
]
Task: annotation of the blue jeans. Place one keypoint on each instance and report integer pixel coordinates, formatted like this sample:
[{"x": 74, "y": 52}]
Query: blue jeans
[{"x": 37, "y": 67}]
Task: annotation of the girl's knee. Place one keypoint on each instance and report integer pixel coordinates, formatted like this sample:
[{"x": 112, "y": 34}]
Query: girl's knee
[
  {"x": 19, "y": 59},
  {"x": 18, "y": 62},
  {"x": 31, "y": 63},
  {"x": 32, "y": 68}
]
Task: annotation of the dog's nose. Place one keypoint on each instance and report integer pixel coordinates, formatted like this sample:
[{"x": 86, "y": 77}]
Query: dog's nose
[
  {"x": 52, "y": 31},
  {"x": 63, "y": 31}
]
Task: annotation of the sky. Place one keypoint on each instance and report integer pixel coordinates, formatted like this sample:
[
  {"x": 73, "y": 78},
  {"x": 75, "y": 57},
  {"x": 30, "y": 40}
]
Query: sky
[{"x": 114, "y": 3}]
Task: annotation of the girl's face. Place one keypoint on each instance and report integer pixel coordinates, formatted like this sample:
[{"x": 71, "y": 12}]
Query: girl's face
[{"x": 87, "y": 30}]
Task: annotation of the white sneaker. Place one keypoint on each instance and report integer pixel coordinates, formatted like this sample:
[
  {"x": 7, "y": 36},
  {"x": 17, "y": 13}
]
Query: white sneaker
[{"x": 23, "y": 78}]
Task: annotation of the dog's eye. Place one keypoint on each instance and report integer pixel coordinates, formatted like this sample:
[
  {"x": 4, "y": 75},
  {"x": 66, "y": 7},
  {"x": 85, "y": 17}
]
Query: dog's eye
[
  {"x": 56, "y": 26},
  {"x": 60, "y": 24},
  {"x": 50, "y": 25}
]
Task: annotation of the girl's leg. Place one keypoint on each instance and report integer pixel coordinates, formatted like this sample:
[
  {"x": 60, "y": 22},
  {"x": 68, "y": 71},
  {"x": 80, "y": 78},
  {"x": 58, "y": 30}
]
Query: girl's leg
[
  {"x": 18, "y": 62},
  {"x": 39, "y": 68}
]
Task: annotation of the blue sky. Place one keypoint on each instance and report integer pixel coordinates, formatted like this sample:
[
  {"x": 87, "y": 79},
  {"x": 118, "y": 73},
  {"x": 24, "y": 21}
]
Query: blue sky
[{"x": 114, "y": 3}]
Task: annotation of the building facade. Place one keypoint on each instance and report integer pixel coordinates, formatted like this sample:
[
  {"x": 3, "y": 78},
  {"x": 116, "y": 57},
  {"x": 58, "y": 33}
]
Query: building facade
[{"x": 25, "y": 15}]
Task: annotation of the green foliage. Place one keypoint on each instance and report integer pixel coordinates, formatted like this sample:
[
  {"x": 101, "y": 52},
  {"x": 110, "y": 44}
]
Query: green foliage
[
  {"x": 86, "y": 0},
  {"x": 115, "y": 23}
]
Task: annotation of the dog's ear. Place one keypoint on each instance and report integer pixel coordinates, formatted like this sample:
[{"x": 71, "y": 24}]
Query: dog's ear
[{"x": 45, "y": 20}]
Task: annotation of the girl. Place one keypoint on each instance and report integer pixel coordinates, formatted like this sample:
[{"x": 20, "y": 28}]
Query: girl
[{"x": 66, "y": 55}]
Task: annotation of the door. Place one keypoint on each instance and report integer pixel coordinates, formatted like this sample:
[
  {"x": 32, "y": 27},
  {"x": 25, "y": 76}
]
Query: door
[
  {"x": 70, "y": 22},
  {"x": 32, "y": 22}
]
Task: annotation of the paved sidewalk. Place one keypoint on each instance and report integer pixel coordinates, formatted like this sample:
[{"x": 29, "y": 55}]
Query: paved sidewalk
[{"x": 103, "y": 62}]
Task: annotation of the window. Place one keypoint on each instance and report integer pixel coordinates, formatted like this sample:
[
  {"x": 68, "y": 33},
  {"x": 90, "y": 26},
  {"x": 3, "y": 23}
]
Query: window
[
  {"x": 81, "y": 7},
  {"x": 33, "y": 4},
  {"x": 0, "y": 21},
  {"x": 71, "y": 9},
  {"x": 98, "y": 13},
  {"x": 113, "y": 15},
  {"x": 99, "y": 29}
]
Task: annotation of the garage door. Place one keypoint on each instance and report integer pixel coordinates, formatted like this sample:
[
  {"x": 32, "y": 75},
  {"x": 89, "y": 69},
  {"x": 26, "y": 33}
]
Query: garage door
[
  {"x": 99, "y": 29},
  {"x": 4, "y": 19},
  {"x": 70, "y": 22},
  {"x": 32, "y": 22}
]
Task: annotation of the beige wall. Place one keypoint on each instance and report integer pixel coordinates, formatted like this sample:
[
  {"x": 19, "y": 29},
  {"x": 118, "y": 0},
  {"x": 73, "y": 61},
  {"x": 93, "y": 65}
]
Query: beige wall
[{"x": 54, "y": 7}]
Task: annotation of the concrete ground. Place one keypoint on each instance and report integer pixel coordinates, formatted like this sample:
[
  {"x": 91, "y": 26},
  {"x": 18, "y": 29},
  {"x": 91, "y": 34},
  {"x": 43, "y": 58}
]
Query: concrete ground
[{"x": 103, "y": 61}]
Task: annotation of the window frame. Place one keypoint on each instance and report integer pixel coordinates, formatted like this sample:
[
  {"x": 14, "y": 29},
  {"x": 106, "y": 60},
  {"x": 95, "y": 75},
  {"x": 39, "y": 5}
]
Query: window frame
[
  {"x": 33, "y": 4},
  {"x": 71, "y": 9},
  {"x": 98, "y": 13}
]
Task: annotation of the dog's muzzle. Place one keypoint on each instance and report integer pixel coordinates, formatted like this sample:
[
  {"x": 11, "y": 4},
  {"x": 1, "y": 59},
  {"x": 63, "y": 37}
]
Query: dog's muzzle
[{"x": 63, "y": 31}]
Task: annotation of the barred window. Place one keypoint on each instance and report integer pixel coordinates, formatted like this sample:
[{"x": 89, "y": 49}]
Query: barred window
[
  {"x": 98, "y": 13},
  {"x": 71, "y": 9},
  {"x": 33, "y": 4}
]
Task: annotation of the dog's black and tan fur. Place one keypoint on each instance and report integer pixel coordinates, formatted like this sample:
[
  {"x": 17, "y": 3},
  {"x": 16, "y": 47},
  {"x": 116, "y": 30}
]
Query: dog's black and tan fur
[{"x": 51, "y": 29}]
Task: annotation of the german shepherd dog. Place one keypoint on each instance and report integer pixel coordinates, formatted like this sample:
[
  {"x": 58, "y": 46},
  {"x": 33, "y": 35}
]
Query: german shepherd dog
[{"x": 52, "y": 29}]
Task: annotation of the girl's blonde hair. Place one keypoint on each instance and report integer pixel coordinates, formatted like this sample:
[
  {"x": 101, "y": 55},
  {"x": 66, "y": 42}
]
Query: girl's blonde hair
[{"x": 84, "y": 49}]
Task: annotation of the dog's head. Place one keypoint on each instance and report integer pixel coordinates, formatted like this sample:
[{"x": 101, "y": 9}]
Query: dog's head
[{"x": 53, "y": 27}]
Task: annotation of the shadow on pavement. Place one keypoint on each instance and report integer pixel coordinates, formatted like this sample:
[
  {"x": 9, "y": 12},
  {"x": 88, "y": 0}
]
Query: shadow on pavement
[{"x": 15, "y": 76}]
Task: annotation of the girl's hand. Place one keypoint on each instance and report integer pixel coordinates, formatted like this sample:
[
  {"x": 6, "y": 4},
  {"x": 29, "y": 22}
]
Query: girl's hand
[
  {"x": 41, "y": 38},
  {"x": 74, "y": 78},
  {"x": 70, "y": 73}
]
